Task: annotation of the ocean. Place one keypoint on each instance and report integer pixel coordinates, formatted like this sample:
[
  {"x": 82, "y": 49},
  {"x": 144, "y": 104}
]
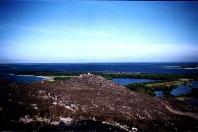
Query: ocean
[{"x": 159, "y": 68}]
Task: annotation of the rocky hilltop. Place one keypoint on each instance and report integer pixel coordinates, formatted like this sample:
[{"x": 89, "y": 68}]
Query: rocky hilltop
[{"x": 87, "y": 102}]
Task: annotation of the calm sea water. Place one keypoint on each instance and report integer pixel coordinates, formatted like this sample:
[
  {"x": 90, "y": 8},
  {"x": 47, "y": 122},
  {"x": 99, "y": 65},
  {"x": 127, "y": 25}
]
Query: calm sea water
[
  {"x": 178, "y": 91},
  {"x": 184, "y": 88},
  {"x": 159, "y": 93},
  {"x": 126, "y": 81},
  {"x": 170, "y": 68},
  {"x": 21, "y": 78}
]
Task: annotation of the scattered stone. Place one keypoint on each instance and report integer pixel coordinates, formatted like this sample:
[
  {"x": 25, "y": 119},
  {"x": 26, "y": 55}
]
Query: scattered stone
[
  {"x": 55, "y": 123},
  {"x": 45, "y": 97},
  {"x": 134, "y": 129},
  {"x": 54, "y": 103},
  {"x": 67, "y": 120},
  {"x": 69, "y": 108},
  {"x": 33, "y": 105},
  {"x": 26, "y": 119}
]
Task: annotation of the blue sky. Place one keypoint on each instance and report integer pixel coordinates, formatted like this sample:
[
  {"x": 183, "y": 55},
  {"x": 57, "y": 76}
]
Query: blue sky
[{"x": 98, "y": 31}]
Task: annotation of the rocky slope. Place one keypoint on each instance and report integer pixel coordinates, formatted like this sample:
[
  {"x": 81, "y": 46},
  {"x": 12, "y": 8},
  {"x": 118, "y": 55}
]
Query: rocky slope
[{"x": 87, "y": 102}]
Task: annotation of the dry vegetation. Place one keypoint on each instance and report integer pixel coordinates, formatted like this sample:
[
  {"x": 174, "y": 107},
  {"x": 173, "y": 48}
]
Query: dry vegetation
[{"x": 87, "y": 102}]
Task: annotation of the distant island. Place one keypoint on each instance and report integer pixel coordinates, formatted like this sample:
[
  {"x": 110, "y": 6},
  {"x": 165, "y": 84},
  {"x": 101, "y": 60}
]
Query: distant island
[{"x": 188, "y": 67}]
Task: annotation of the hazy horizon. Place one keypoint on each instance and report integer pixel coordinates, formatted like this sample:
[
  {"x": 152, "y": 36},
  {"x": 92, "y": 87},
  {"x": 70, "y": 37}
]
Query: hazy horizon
[
  {"x": 98, "y": 32},
  {"x": 92, "y": 62}
]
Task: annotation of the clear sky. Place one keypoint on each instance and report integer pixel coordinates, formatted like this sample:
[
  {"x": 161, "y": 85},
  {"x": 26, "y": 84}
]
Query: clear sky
[{"x": 98, "y": 31}]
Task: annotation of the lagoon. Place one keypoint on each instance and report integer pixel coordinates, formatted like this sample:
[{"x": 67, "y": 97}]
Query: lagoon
[
  {"x": 184, "y": 88},
  {"x": 126, "y": 81},
  {"x": 22, "y": 78},
  {"x": 159, "y": 93},
  {"x": 179, "y": 90}
]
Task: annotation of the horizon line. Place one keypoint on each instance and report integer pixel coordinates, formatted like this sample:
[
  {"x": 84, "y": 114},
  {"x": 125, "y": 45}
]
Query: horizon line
[{"x": 95, "y": 62}]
